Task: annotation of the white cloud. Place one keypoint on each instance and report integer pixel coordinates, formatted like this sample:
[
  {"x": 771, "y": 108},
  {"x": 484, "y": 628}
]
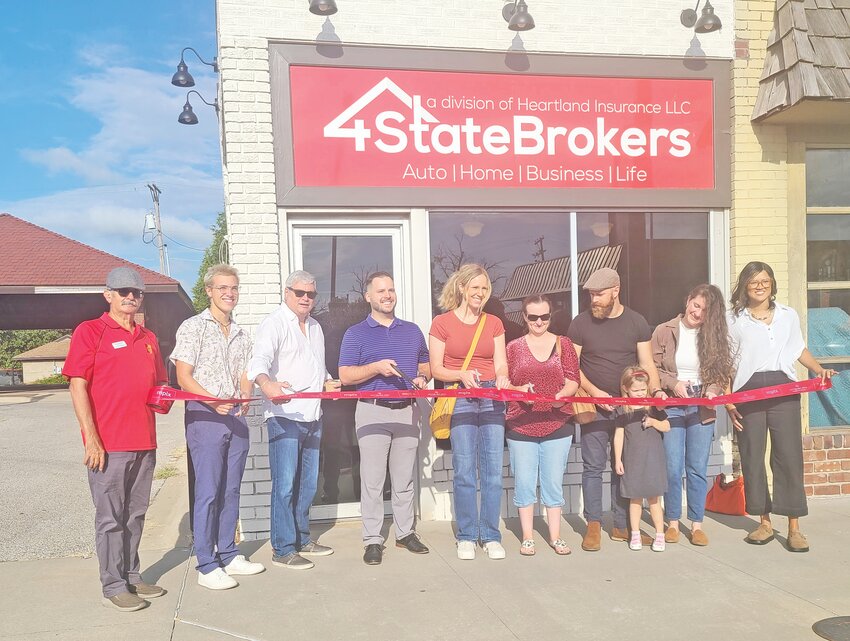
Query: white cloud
[{"x": 138, "y": 141}]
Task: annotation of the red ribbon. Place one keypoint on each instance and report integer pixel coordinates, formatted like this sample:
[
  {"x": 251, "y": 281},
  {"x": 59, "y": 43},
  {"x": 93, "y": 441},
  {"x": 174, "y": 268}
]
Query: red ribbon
[{"x": 162, "y": 396}]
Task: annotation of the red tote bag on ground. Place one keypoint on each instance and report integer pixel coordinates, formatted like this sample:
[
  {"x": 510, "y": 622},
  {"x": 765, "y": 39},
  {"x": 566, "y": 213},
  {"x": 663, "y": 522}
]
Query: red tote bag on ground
[{"x": 726, "y": 498}]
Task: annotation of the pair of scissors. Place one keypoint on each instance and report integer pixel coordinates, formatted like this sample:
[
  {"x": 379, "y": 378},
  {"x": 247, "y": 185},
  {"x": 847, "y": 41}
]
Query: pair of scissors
[{"x": 410, "y": 382}]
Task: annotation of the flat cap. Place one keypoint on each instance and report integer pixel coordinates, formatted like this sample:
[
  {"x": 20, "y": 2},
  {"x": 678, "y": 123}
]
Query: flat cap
[
  {"x": 121, "y": 277},
  {"x": 602, "y": 279}
]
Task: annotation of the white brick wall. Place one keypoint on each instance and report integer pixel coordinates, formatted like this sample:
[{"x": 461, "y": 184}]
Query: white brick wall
[{"x": 256, "y": 228}]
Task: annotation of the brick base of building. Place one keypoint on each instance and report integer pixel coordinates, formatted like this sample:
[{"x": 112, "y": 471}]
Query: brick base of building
[{"x": 826, "y": 463}]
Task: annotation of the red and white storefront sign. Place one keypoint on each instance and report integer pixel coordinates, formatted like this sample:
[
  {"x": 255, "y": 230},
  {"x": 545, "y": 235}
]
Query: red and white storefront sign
[{"x": 404, "y": 128}]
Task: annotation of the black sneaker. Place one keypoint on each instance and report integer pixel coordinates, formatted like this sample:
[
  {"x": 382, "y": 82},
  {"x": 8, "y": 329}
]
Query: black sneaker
[
  {"x": 315, "y": 549},
  {"x": 292, "y": 561},
  {"x": 373, "y": 554},
  {"x": 412, "y": 543}
]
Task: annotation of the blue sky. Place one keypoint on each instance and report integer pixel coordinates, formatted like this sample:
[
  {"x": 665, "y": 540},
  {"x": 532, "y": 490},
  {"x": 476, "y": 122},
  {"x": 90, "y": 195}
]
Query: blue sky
[{"x": 88, "y": 116}]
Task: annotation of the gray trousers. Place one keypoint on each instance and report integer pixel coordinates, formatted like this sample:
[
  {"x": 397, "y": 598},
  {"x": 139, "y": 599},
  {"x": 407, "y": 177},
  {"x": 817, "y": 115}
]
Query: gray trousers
[
  {"x": 387, "y": 435},
  {"x": 121, "y": 494}
]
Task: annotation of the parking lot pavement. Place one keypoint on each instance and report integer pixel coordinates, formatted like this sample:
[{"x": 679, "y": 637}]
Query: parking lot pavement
[{"x": 44, "y": 495}]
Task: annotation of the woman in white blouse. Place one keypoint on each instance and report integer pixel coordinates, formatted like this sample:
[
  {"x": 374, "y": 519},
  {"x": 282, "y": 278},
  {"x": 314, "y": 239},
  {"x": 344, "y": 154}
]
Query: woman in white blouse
[{"x": 767, "y": 340}]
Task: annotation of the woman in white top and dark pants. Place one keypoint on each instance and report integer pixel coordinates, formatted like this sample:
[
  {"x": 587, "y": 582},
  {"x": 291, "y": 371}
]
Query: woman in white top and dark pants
[{"x": 768, "y": 342}]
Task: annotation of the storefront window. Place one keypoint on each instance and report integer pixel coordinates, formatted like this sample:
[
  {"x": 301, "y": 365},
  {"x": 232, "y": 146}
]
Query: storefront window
[
  {"x": 659, "y": 256},
  {"x": 828, "y": 273}
]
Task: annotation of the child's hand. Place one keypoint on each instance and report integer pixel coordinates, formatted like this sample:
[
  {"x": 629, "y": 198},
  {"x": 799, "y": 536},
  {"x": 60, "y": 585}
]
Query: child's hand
[{"x": 618, "y": 468}]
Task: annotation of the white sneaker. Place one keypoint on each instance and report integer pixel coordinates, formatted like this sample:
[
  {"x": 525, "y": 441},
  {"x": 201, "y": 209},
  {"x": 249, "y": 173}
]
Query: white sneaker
[
  {"x": 466, "y": 550},
  {"x": 494, "y": 550},
  {"x": 216, "y": 580},
  {"x": 239, "y": 565}
]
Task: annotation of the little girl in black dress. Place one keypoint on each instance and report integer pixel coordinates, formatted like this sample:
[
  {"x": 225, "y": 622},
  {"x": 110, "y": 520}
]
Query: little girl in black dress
[{"x": 639, "y": 456}]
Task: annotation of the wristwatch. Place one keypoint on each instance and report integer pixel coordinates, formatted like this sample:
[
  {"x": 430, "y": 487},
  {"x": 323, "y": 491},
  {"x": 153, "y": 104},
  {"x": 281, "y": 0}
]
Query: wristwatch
[{"x": 655, "y": 391}]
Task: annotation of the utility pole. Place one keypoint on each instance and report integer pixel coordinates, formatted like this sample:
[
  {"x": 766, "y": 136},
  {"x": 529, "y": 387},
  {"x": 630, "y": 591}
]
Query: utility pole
[
  {"x": 541, "y": 253},
  {"x": 160, "y": 243}
]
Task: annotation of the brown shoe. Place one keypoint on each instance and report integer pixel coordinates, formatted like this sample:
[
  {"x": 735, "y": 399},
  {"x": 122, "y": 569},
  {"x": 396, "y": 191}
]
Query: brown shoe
[
  {"x": 592, "y": 541},
  {"x": 620, "y": 534},
  {"x": 698, "y": 537},
  {"x": 671, "y": 535},
  {"x": 797, "y": 542},
  {"x": 761, "y": 535},
  {"x": 623, "y": 534}
]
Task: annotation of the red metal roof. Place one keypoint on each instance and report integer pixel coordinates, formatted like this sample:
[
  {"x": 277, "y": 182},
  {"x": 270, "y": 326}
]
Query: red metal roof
[{"x": 37, "y": 257}]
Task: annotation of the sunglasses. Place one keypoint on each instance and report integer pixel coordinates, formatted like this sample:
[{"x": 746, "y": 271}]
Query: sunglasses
[
  {"x": 126, "y": 291},
  {"x": 300, "y": 293},
  {"x": 535, "y": 317}
]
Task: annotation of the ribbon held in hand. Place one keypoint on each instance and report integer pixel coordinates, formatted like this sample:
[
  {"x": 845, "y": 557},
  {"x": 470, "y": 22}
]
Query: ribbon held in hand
[{"x": 160, "y": 398}]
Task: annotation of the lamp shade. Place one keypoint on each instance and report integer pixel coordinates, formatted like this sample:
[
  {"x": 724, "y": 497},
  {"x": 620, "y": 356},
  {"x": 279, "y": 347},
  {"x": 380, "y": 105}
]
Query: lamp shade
[
  {"x": 521, "y": 20},
  {"x": 707, "y": 22},
  {"x": 187, "y": 117},
  {"x": 323, "y": 7},
  {"x": 182, "y": 77}
]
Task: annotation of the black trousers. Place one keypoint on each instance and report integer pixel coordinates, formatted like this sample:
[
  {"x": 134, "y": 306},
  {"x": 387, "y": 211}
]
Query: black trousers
[{"x": 780, "y": 418}]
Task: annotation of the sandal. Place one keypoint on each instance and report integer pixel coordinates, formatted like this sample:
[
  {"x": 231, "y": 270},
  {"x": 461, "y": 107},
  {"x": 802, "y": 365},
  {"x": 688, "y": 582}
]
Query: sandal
[
  {"x": 560, "y": 546},
  {"x": 527, "y": 547}
]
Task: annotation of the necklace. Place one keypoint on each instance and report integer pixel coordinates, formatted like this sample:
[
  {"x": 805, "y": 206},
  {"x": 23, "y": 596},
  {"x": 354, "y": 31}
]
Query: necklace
[{"x": 762, "y": 318}]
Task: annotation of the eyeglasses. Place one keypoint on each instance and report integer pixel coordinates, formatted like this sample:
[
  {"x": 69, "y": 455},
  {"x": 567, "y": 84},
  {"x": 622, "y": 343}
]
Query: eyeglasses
[
  {"x": 126, "y": 291},
  {"x": 221, "y": 289},
  {"x": 535, "y": 317},
  {"x": 300, "y": 293},
  {"x": 759, "y": 284}
]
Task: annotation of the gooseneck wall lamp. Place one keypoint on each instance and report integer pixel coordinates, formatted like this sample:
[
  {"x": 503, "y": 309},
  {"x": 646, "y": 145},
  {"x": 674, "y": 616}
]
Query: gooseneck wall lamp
[
  {"x": 707, "y": 22},
  {"x": 188, "y": 117},
  {"x": 323, "y": 7},
  {"x": 516, "y": 15},
  {"x": 182, "y": 78}
]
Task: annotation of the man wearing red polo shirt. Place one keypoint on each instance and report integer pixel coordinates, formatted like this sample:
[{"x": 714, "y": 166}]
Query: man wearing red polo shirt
[{"x": 112, "y": 364}]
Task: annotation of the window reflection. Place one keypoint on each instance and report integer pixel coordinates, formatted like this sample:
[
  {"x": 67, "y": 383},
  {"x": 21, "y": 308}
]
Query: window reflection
[{"x": 659, "y": 256}]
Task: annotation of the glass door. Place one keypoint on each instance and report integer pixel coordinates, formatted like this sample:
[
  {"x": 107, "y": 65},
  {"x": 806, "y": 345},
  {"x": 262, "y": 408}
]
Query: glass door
[{"x": 341, "y": 257}]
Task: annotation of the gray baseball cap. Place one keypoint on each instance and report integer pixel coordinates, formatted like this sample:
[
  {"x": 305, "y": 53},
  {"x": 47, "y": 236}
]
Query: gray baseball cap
[{"x": 122, "y": 277}]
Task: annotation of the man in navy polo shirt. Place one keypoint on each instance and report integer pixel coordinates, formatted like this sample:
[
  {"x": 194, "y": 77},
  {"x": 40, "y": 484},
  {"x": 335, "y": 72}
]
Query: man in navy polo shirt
[{"x": 385, "y": 353}]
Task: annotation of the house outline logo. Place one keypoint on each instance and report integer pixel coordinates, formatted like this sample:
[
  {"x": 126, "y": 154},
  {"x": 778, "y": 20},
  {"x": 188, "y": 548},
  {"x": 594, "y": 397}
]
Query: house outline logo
[{"x": 359, "y": 132}]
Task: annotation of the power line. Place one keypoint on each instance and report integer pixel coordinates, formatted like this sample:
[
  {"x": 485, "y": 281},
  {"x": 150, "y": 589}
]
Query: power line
[{"x": 177, "y": 242}]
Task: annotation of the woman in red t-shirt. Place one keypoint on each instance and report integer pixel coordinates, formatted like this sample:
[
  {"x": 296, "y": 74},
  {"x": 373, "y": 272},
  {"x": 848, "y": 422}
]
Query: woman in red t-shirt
[
  {"x": 540, "y": 434},
  {"x": 478, "y": 424}
]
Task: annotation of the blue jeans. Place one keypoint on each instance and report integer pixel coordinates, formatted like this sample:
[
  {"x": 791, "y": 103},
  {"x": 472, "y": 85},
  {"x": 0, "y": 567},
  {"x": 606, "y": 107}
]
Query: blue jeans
[
  {"x": 294, "y": 462},
  {"x": 688, "y": 445},
  {"x": 595, "y": 455},
  {"x": 478, "y": 445},
  {"x": 549, "y": 460}
]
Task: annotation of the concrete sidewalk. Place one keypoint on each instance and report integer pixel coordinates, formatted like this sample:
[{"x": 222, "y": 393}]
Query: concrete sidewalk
[{"x": 728, "y": 590}]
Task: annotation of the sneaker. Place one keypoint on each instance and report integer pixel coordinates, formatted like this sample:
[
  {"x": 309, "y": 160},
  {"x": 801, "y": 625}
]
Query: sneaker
[
  {"x": 146, "y": 590},
  {"x": 292, "y": 561},
  {"x": 635, "y": 542},
  {"x": 622, "y": 534},
  {"x": 465, "y": 550},
  {"x": 494, "y": 550},
  {"x": 218, "y": 579},
  {"x": 315, "y": 549},
  {"x": 239, "y": 565},
  {"x": 659, "y": 544},
  {"x": 125, "y": 602}
]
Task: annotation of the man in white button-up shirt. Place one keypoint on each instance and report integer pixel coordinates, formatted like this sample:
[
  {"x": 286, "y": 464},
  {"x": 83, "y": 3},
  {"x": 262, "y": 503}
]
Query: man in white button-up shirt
[{"x": 289, "y": 356}]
